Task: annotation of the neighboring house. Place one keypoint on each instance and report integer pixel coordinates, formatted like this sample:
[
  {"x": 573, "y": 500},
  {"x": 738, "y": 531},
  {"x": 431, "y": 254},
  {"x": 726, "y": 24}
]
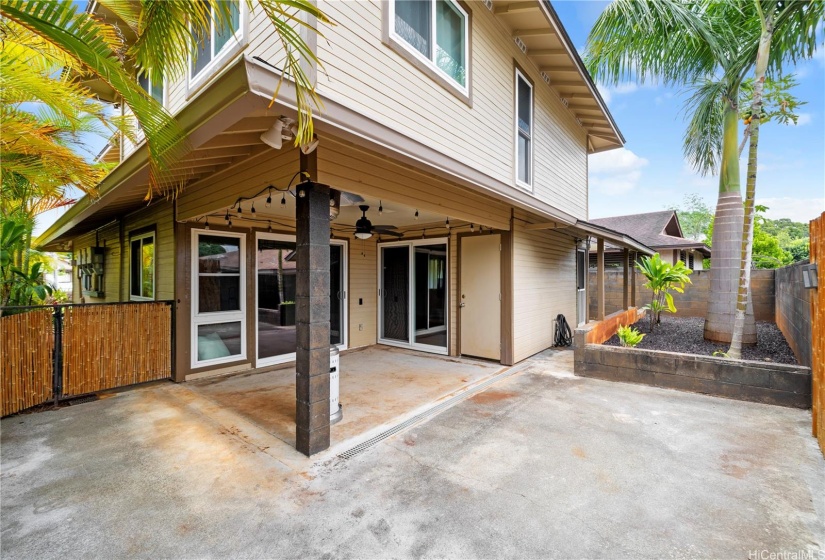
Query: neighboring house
[
  {"x": 465, "y": 127},
  {"x": 658, "y": 230}
]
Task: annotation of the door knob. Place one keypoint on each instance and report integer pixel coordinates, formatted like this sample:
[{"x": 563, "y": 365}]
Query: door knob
[{"x": 461, "y": 304}]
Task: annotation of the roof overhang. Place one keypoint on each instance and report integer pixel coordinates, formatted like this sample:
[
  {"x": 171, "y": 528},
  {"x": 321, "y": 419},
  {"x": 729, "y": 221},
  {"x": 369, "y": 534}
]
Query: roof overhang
[
  {"x": 538, "y": 31},
  {"x": 613, "y": 237}
]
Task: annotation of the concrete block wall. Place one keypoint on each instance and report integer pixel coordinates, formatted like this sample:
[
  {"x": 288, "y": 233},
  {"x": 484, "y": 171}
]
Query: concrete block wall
[
  {"x": 693, "y": 303},
  {"x": 793, "y": 311},
  {"x": 761, "y": 382}
]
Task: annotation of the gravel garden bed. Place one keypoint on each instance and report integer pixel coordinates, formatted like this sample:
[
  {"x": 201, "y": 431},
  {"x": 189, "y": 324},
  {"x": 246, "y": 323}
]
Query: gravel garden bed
[{"x": 685, "y": 334}]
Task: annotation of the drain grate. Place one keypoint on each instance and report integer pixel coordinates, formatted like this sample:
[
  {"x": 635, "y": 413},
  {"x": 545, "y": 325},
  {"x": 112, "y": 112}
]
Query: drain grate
[{"x": 361, "y": 447}]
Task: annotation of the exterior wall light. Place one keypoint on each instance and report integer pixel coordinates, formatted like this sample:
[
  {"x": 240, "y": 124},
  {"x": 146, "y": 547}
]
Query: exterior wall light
[{"x": 809, "y": 276}]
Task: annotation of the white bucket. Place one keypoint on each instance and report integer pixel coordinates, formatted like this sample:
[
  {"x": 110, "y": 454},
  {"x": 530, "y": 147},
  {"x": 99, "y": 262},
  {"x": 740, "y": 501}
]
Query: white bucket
[{"x": 336, "y": 411}]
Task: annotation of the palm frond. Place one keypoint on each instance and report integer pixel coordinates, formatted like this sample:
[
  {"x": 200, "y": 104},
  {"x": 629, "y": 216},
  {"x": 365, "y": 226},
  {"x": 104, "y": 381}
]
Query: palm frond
[{"x": 703, "y": 138}]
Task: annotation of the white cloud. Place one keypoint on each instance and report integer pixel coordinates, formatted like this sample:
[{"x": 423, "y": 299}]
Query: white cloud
[
  {"x": 609, "y": 92},
  {"x": 605, "y": 91},
  {"x": 804, "y": 118},
  {"x": 694, "y": 180},
  {"x": 616, "y": 171},
  {"x": 797, "y": 209},
  {"x": 660, "y": 99}
]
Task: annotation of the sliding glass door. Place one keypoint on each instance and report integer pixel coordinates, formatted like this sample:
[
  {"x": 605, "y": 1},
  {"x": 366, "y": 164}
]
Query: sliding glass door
[
  {"x": 413, "y": 295},
  {"x": 276, "y": 267}
]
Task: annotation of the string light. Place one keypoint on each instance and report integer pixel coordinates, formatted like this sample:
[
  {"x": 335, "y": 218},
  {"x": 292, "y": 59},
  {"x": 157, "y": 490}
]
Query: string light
[
  {"x": 269, "y": 228},
  {"x": 380, "y": 208},
  {"x": 448, "y": 223},
  {"x": 424, "y": 234},
  {"x": 283, "y": 200},
  {"x": 240, "y": 210},
  {"x": 253, "y": 208},
  {"x": 416, "y": 214},
  {"x": 269, "y": 198},
  {"x": 227, "y": 215},
  {"x": 230, "y": 223},
  {"x": 472, "y": 228},
  {"x": 206, "y": 225}
]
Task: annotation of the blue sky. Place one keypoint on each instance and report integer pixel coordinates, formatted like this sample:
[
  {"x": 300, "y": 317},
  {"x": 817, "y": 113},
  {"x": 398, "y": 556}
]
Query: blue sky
[{"x": 650, "y": 172}]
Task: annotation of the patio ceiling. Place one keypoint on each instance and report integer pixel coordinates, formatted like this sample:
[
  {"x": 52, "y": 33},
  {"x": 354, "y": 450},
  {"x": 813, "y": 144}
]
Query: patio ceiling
[{"x": 536, "y": 29}]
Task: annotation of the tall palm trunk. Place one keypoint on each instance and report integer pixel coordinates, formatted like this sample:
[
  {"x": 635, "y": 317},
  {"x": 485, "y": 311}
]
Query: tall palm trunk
[
  {"x": 727, "y": 234},
  {"x": 743, "y": 300}
]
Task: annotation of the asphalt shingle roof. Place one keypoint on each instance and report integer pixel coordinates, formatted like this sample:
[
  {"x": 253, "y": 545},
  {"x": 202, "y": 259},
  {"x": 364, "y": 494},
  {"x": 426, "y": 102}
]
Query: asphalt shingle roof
[{"x": 648, "y": 228}]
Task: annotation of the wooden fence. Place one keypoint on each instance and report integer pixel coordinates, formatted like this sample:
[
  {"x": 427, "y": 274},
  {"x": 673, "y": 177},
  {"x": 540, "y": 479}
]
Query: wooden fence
[
  {"x": 817, "y": 230},
  {"x": 69, "y": 350},
  {"x": 26, "y": 357}
]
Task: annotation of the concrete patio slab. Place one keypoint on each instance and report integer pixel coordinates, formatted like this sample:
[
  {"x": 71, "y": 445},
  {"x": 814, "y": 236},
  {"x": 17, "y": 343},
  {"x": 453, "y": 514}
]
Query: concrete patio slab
[
  {"x": 541, "y": 464},
  {"x": 379, "y": 385}
]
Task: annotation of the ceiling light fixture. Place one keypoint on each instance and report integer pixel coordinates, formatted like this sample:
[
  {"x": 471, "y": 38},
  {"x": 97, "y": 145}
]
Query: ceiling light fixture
[{"x": 363, "y": 227}]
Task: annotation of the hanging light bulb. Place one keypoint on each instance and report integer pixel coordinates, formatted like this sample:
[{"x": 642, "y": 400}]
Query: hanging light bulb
[
  {"x": 283, "y": 200},
  {"x": 424, "y": 234},
  {"x": 416, "y": 214},
  {"x": 448, "y": 224},
  {"x": 206, "y": 225},
  {"x": 230, "y": 223},
  {"x": 269, "y": 198},
  {"x": 380, "y": 208},
  {"x": 253, "y": 208},
  {"x": 269, "y": 228},
  {"x": 472, "y": 228},
  {"x": 227, "y": 215},
  {"x": 240, "y": 210}
]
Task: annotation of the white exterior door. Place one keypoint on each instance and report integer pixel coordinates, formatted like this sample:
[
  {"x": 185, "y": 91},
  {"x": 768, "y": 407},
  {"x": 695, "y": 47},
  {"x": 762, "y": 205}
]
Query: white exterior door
[{"x": 480, "y": 296}]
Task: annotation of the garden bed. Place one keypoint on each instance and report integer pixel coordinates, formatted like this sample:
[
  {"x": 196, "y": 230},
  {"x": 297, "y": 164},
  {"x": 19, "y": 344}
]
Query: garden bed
[{"x": 685, "y": 335}]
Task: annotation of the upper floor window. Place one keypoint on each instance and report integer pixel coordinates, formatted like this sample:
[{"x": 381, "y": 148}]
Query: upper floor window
[
  {"x": 155, "y": 89},
  {"x": 142, "y": 267},
  {"x": 435, "y": 31},
  {"x": 214, "y": 42},
  {"x": 524, "y": 131}
]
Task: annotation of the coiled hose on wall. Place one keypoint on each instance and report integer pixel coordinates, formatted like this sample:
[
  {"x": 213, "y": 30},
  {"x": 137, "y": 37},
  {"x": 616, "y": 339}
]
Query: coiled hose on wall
[{"x": 563, "y": 336}]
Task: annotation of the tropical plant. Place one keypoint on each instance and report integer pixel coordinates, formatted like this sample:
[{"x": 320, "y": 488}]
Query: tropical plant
[
  {"x": 629, "y": 337},
  {"x": 710, "y": 46},
  {"x": 19, "y": 284},
  {"x": 662, "y": 277},
  {"x": 166, "y": 33},
  {"x": 793, "y": 24}
]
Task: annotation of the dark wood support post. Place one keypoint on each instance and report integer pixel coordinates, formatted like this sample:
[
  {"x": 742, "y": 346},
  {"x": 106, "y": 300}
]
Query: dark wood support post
[
  {"x": 312, "y": 314},
  {"x": 633, "y": 279},
  {"x": 600, "y": 279},
  {"x": 626, "y": 279}
]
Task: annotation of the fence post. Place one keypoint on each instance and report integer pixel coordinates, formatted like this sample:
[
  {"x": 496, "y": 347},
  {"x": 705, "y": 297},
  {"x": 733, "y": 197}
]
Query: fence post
[{"x": 57, "y": 376}]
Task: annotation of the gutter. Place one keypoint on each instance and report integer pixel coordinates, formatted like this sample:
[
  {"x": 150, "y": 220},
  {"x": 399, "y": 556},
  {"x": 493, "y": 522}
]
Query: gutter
[{"x": 574, "y": 54}]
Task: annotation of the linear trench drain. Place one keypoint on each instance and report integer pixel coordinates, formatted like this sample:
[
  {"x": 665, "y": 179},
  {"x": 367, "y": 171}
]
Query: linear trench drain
[{"x": 361, "y": 447}]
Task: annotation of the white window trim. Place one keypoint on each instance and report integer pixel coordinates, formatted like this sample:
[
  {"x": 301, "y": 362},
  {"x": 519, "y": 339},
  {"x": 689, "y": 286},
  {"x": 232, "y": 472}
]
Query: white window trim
[
  {"x": 233, "y": 46},
  {"x": 402, "y": 43},
  {"x": 141, "y": 237},
  {"x": 284, "y": 358},
  {"x": 198, "y": 318},
  {"x": 164, "y": 90},
  {"x": 411, "y": 291},
  {"x": 531, "y": 169}
]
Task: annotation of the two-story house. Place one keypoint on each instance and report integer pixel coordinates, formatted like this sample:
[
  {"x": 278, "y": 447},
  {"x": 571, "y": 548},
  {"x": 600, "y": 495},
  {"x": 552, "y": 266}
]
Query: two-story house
[{"x": 445, "y": 210}]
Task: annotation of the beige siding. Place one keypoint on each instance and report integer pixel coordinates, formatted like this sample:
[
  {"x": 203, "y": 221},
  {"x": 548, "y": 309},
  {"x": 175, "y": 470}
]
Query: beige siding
[
  {"x": 370, "y": 77},
  {"x": 363, "y": 284},
  {"x": 116, "y": 258},
  {"x": 544, "y": 282}
]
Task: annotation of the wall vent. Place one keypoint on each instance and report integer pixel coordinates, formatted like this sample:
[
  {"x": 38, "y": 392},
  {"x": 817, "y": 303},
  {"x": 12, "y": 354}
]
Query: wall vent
[
  {"x": 564, "y": 100},
  {"x": 545, "y": 77},
  {"x": 520, "y": 44},
  {"x": 489, "y": 4}
]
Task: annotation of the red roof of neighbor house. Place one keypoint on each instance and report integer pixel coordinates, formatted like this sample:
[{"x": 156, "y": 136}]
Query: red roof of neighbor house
[{"x": 657, "y": 230}]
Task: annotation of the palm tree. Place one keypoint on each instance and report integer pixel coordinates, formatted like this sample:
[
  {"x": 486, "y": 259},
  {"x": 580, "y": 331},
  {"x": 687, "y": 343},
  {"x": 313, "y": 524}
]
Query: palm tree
[
  {"x": 166, "y": 32},
  {"x": 709, "y": 46},
  {"x": 793, "y": 24}
]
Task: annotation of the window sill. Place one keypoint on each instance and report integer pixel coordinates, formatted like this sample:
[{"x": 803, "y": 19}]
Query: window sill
[{"x": 524, "y": 186}]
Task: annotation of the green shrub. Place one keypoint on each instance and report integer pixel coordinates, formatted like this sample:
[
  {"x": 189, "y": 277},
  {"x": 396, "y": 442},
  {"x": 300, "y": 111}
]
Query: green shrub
[{"x": 629, "y": 337}]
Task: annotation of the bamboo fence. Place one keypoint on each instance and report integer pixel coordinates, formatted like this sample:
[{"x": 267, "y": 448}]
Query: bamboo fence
[
  {"x": 817, "y": 230},
  {"x": 108, "y": 346},
  {"x": 26, "y": 359}
]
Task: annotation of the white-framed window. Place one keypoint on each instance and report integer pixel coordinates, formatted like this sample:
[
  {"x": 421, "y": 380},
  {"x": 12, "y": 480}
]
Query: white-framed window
[
  {"x": 218, "y": 297},
  {"x": 142, "y": 267},
  {"x": 524, "y": 131},
  {"x": 155, "y": 89},
  {"x": 435, "y": 32},
  {"x": 216, "y": 46}
]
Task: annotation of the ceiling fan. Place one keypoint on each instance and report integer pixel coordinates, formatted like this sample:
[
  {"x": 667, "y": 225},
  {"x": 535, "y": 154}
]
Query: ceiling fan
[{"x": 364, "y": 228}]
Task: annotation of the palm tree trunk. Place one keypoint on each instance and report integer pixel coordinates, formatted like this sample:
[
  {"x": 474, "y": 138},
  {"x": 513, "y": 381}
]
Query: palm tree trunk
[
  {"x": 743, "y": 292},
  {"x": 727, "y": 234}
]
